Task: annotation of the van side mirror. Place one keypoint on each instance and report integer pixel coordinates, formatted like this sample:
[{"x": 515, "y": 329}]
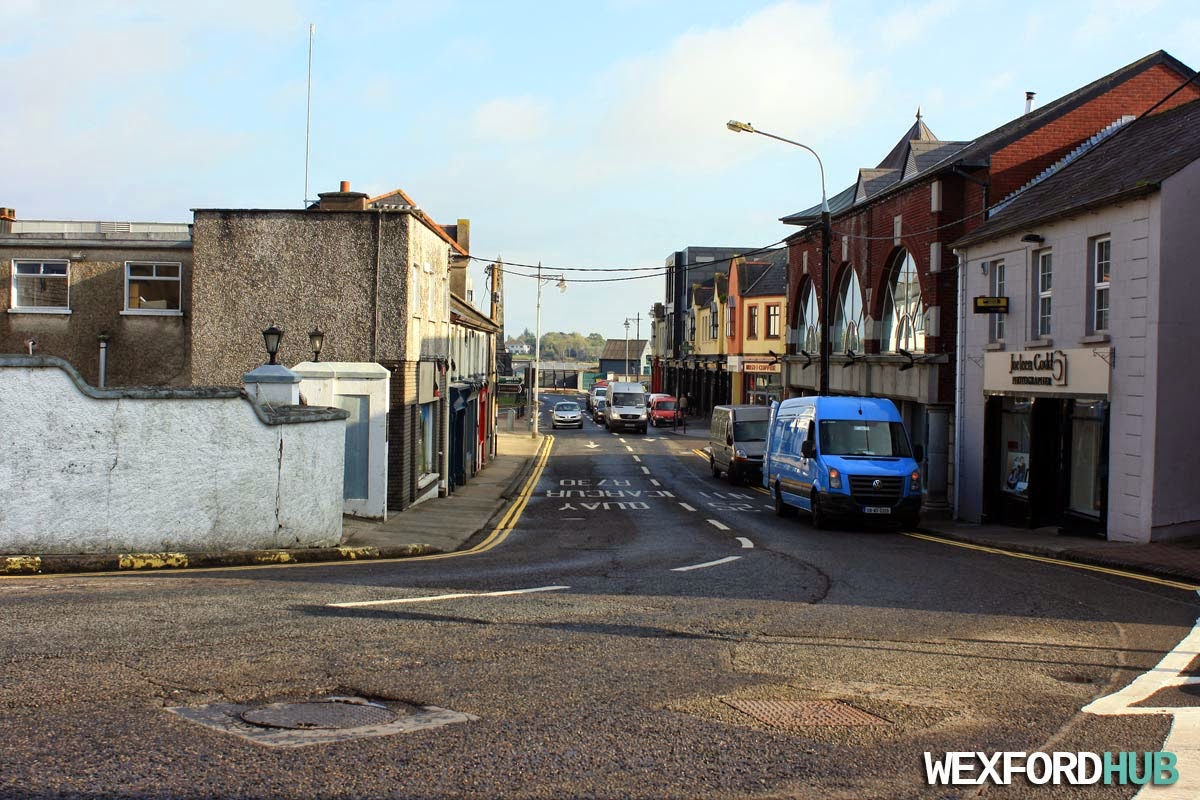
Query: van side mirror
[
  {"x": 808, "y": 449},
  {"x": 918, "y": 453},
  {"x": 729, "y": 439}
]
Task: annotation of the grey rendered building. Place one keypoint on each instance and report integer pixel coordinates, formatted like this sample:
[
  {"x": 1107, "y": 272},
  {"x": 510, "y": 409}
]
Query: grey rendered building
[{"x": 1076, "y": 407}]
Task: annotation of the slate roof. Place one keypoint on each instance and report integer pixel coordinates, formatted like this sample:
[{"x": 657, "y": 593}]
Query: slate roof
[
  {"x": 614, "y": 349},
  {"x": 702, "y": 295},
  {"x": 771, "y": 278},
  {"x": 1133, "y": 161},
  {"x": 978, "y": 152}
]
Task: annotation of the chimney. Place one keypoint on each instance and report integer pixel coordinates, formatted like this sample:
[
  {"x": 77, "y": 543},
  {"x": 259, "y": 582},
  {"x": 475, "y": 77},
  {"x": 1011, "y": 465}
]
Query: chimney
[
  {"x": 458, "y": 264},
  {"x": 342, "y": 200},
  {"x": 1029, "y": 101},
  {"x": 7, "y": 217}
]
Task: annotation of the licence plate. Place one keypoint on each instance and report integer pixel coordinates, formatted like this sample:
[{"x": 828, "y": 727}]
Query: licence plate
[{"x": 876, "y": 510}]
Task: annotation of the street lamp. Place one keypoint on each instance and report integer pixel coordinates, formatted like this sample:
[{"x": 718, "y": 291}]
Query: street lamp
[
  {"x": 826, "y": 235},
  {"x": 271, "y": 338},
  {"x": 627, "y": 349},
  {"x": 537, "y": 345}
]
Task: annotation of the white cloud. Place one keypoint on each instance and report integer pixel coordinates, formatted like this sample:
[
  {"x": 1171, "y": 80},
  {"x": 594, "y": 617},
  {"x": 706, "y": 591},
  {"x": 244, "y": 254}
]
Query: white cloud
[
  {"x": 912, "y": 23},
  {"x": 510, "y": 119}
]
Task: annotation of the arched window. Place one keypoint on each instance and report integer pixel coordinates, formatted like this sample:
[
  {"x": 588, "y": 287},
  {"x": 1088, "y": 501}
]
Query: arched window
[
  {"x": 903, "y": 312},
  {"x": 848, "y": 313},
  {"x": 810, "y": 320}
]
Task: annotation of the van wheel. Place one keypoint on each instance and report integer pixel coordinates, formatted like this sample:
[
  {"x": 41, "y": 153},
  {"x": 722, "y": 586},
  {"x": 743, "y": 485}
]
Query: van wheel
[
  {"x": 782, "y": 509},
  {"x": 820, "y": 520},
  {"x": 734, "y": 476}
]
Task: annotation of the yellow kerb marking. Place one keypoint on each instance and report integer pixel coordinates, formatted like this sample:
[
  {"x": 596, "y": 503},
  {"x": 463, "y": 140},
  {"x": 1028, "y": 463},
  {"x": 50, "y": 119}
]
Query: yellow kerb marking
[
  {"x": 359, "y": 552},
  {"x": 23, "y": 565},
  {"x": 276, "y": 557},
  {"x": 152, "y": 561}
]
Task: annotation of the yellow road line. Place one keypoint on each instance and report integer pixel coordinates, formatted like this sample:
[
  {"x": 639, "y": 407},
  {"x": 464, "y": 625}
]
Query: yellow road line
[
  {"x": 700, "y": 452},
  {"x": 496, "y": 537},
  {"x": 1120, "y": 573}
]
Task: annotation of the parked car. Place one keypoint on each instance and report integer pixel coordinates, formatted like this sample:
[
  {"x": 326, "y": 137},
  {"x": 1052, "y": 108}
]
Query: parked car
[
  {"x": 626, "y": 408},
  {"x": 566, "y": 415},
  {"x": 663, "y": 410},
  {"x": 736, "y": 440},
  {"x": 843, "y": 456}
]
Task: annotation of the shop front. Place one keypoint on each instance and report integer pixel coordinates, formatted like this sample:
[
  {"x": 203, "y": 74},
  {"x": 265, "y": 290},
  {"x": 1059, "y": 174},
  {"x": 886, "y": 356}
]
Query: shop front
[
  {"x": 762, "y": 381},
  {"x": 1046, "y": 431}
]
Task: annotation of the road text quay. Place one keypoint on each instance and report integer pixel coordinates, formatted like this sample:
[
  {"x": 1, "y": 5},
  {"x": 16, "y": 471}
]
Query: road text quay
[
  {"x": 612, "y": 494},
  {"x": 1077, "y": 769}
]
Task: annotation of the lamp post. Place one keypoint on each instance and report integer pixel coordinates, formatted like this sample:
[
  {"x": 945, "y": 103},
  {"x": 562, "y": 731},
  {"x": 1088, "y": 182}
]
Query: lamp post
[
  {"x": 271, "y": 337},
  {"x": 826, "y": 235},
  {"x": 316, "y": 340},
  {"x": 537, "y": 344},
  {"x": 626, "y": 349}
]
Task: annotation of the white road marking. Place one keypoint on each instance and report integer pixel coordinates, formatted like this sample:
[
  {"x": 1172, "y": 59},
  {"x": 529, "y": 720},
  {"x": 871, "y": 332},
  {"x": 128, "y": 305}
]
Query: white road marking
[
  {"x": 746, "y": 543},
  {"x": 725, "y": 560},
  {"x": 446, "y": 597},
  {"x": 637, "y": 459},
  {"x": 1184, "y": 737},
  {"x": 646, "y": 470},
  {"x": 649, "y": 440},
  {"x": 718, "y": 525},
  {"x": 654, "y": 482},
  {"x": 686, "y": 507},
  {"x": 627, "y": 447},
  {"x": 768, "y": 505},
  {"x": 573, "y": 518},
  {"x": 591, "y": 445},
  {"x": 621, "y": 439}
]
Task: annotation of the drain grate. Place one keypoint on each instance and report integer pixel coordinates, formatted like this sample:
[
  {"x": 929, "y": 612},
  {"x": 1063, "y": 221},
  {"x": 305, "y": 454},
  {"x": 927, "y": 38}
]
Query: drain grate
[
  {"x": 336, "y": 713},
  {"x": 804, "y": 713}
]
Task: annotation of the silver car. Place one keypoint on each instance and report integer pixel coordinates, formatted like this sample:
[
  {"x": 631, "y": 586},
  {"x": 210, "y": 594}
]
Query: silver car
[{"x": 566, "y": 415}]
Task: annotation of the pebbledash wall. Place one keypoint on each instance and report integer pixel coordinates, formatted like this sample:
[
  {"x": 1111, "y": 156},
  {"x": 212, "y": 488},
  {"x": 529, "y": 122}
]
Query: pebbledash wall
[{"x": 89, "y": 470}]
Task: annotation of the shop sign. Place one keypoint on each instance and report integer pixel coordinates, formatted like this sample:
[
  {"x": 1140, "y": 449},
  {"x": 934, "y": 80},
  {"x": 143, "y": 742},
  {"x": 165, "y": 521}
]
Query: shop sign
[
  {"x": 1077, "y": 371},
  {"x": 761, "y": 366},
  {"x": 734, "y": 363},
  {"x": 991, "y": 305}
]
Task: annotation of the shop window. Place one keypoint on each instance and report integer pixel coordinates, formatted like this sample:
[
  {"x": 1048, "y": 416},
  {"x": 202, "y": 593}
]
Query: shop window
[
  {"x": 1087, "y": 458},
  {"x": 425, "y": 449},
  {"x": 41, "y": 286},
  {"x": 1015, "y": 420},
  {"x": 152, "y": 288},
  {"x": 848, "y": 313},
  {"x": 1044, "y": 283},
  {"x": 996, "y": 273},
  {"x": 903, "y": 311},
  {"x": 1101, "y": 278}
]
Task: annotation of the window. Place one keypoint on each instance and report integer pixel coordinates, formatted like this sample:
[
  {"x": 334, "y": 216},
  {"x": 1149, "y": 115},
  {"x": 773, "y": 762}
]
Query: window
[
  {"x": 848, "y": 313},
  {"x": 41, "y": 286},
  {"x": 1045, "y": 284},
  {"x": 692, "y": 325},
  {"x": 997, "y": 320},
  {"x": 810, "y": 321},
  {"x": 152, "y": 288},
  {"x": 903, "y": 312},
  {"x": 1015, "y": 424},
  {"x": 714, "y": 319},
  {"x": 751, "y": 322},
  {"x": 1088, "y": 457},
  {"x": 773, "y": 322},
  {"x": 1101, "y": 279},
  {"x": 425, "y": 431},
  {"x": 864, "y": 438},
  {"x": 729, "y": 317}
]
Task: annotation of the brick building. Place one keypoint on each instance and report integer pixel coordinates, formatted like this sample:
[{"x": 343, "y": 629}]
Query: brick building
[{"x": 893, "y": 279}]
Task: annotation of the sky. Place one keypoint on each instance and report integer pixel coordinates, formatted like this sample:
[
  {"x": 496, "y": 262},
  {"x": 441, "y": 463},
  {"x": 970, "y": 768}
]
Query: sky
[{"x": 572, "y": 134}]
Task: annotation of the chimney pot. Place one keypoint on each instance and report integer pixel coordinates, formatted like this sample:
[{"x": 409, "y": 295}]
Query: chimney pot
[
  {"x": 1029, "y": 101},
  {"x": 345, "y": 186}
]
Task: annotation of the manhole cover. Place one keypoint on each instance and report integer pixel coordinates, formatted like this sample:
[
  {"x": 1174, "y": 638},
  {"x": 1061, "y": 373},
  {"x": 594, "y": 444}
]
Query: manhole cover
[
  {"x": 320, "y": 715},
  {"x": 804, "y": 713}
]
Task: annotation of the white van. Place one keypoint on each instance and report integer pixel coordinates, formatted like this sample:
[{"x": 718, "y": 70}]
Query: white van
[
  {"x": 736, "y": 441},
  {"x": 626, "y": 409}
]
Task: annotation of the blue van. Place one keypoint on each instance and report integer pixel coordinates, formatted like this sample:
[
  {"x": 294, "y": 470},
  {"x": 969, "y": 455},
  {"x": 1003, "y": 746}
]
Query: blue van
[{"x": 842, "y": 457}]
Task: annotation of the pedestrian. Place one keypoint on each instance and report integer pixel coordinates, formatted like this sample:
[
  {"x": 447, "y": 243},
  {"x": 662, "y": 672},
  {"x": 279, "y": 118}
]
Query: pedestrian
[{"x": 683, "y": 403}]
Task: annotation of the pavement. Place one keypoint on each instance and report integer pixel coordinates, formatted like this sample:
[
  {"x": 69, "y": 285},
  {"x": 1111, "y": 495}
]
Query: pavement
[{"x": 465, "y": 518}]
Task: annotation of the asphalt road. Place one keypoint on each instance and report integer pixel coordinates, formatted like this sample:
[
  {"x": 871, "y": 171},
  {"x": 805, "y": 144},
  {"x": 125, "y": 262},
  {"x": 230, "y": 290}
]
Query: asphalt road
[{"x": 668, "y": 602}]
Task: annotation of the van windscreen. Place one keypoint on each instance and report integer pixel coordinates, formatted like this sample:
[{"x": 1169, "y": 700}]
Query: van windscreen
[
  {"x": 853, "y": 437},
  {"x": 752, "y": 430},
  {"x": 624, "y": 399}
]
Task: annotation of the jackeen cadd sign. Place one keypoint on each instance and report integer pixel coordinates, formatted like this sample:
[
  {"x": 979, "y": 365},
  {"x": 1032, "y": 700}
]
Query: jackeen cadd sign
[{"x": 1078, "y": 371}]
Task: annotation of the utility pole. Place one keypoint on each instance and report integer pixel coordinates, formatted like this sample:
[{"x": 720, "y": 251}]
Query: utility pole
[{"x": 637, "y": 338}]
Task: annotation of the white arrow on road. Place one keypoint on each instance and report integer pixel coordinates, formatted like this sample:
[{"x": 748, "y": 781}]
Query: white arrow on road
[{"x": 591, "y": 445}]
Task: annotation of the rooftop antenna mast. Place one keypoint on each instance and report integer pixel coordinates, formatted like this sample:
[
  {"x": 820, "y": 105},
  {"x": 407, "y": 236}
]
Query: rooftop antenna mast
[{"x": 308, "y": 113}]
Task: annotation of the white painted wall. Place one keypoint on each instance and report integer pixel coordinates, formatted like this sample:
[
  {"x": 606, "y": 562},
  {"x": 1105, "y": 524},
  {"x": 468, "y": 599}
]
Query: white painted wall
[{"x": 196, "y": 473}]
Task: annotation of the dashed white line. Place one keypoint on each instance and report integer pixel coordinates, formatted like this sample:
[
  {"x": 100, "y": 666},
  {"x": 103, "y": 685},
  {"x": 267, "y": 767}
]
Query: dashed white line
[
  {"x": 638, "y": 459},
  {"x": 686, "y": 507},
  {"x": 718, "y": 525},
  {"x": 725, "y": 560},
  {"x": 446, "y": 597},
  {"x": 621, "y": 439},
  {"x": 746, "y": 543},
  {"x": 646, "y": 470},
  {"x": 654, "y": 482},
  {"x": 627, "y": 447}
]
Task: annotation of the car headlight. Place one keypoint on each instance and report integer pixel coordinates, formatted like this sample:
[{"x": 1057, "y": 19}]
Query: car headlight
[
  {"x": 642, "y": 415},
  {"x": 835, "y": 479},
  {"x": 740, "y": 453}
]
